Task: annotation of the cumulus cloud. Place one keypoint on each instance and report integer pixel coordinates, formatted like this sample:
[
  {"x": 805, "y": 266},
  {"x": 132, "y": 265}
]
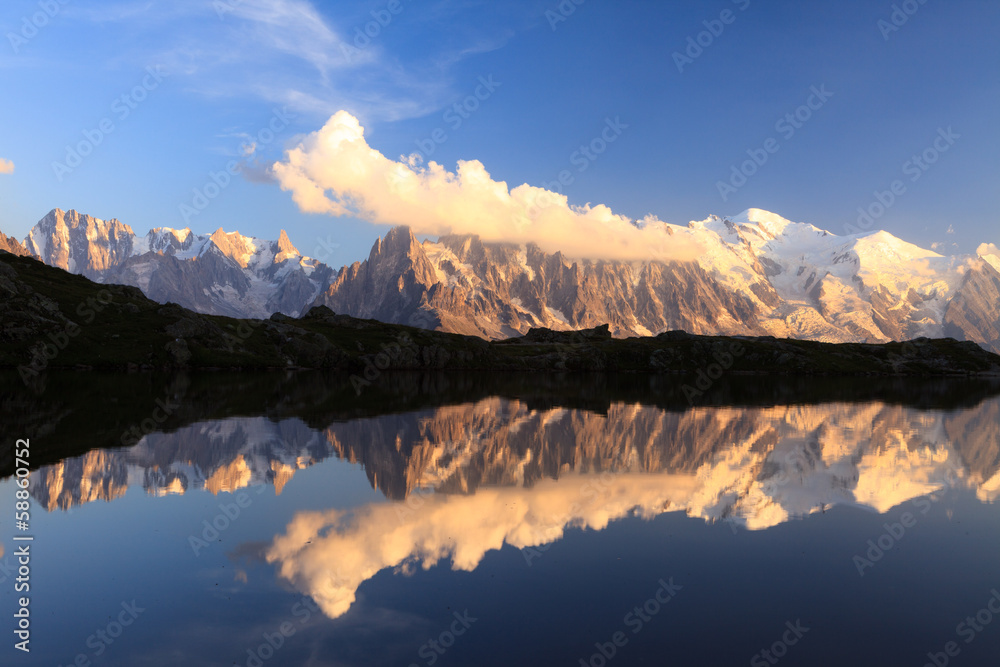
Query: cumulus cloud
[
  {"x": 990, "y": 253},
  {"x": 6, "y": 166},
  {"x": 985, "y": 249},
  {"x": 335, "y": 172}
]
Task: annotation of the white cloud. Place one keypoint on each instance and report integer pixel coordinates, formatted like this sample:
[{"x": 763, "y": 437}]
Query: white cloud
[
  {"x": 988, "y": 249},
  {"x": 293, "y": 52},
  {"x": 334, "y": 171},
  {"x": 293, "y": 27},
  {"x": 950, "y": 230},
  {"x": 6, "y": 166},
  {"x": 990, "y": 253},
  {"x": 230, "y": 30}
]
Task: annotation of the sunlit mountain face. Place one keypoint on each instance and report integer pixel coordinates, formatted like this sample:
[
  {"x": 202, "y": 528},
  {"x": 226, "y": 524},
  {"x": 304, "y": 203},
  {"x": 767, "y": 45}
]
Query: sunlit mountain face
[
  {"x": 755, "y": 273},
  {"x": 470, "y": 478}
]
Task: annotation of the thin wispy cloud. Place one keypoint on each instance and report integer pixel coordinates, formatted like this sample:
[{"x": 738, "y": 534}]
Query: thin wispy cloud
[
  {"x": 293, "y": 27},
  {"x": 290, "y": 52},
  {"x": 6, "y": 166}
]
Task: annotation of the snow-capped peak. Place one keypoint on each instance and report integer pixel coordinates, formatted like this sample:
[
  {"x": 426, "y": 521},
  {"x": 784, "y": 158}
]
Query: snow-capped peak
[
  {"x": 222, "y": 273},
  {"x": 163, "y": 240},
  {"x": 890, "y": 248},
  {"x": 79, "y": 243},
  {"x": 763, "y": 218},
  {"x": 990, "y": 254},
  {"x": 180, "y": 234},
  {"x": 758, "y": 273}
]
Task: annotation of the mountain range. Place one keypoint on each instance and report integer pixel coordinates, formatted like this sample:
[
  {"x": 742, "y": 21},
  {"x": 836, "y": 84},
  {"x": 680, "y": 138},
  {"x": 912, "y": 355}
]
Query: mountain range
[
  {"x": 759, "y": 274},
  {"x": 219, "y": 274}
]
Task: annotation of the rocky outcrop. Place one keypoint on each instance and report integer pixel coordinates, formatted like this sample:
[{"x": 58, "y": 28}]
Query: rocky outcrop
[
  {"x": 390, "y": 286},
  {"x": 12, "y": 245},
  {"x": 495, "y": 291}
]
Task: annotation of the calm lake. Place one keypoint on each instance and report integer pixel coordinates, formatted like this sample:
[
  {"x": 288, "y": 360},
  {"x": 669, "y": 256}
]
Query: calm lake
[{"x": 283, "y": 519}]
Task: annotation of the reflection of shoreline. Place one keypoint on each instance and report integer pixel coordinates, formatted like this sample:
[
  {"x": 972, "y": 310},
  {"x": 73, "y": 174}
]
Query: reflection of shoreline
[
  {"x": 74, "y": 413},
  {"x": 874, "y": 454}
]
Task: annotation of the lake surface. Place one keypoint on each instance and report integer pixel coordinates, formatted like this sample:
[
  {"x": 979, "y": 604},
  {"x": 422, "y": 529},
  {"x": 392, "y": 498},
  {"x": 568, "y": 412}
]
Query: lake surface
[{"x": 282, "y": 519}]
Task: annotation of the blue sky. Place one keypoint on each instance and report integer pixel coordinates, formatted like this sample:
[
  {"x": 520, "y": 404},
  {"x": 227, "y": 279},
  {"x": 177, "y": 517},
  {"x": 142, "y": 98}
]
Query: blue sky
[{"x": 209, "y": 82}]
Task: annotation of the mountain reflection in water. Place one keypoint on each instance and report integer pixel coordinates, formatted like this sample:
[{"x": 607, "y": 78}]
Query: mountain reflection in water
[{"x": 469, "y": 477}]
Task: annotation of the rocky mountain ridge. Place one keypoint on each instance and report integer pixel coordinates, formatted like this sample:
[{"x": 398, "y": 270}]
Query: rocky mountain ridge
[
  {"x": 220, "y": 273},
  {"x": 50, "y": 319},
  {"x": 12, "y": 245},
  {"x": 759, "y": 274}
]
